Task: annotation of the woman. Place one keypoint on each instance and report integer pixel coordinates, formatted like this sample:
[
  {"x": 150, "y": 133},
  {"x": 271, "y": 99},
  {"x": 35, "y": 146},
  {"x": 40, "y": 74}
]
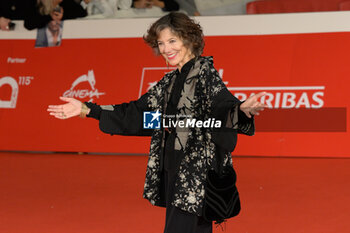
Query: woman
[
  {"x": 41, "y": 12},
  {"x": 179, "y": 156}
]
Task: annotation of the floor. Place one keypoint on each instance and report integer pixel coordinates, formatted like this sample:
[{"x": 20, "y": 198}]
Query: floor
[{"x": 71, "y": 193}]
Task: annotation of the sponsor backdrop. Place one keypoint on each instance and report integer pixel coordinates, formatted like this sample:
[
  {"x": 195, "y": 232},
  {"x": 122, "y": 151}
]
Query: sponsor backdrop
[{"x": 305, "y": 75}]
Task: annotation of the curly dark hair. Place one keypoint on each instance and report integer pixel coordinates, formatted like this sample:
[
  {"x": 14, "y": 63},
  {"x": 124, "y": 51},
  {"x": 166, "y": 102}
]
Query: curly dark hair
[{"x": 182, "y": 26}]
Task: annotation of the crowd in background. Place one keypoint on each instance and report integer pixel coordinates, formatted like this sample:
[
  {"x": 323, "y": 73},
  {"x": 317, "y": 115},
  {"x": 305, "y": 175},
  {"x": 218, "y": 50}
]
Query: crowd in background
[{"x": 38, "y": 13}]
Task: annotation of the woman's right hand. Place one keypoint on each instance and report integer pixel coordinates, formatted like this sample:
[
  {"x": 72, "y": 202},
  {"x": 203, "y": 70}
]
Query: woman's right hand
[{"x": 64, "y": 111}]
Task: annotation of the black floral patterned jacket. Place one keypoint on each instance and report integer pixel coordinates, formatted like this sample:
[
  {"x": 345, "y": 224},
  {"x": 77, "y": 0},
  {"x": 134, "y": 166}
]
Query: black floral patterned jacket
[{"x": 204, "y": 96}]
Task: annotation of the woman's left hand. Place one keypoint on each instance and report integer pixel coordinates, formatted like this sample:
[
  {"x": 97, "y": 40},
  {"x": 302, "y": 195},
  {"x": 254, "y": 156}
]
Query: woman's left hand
[{"x": 252, "y": 106}]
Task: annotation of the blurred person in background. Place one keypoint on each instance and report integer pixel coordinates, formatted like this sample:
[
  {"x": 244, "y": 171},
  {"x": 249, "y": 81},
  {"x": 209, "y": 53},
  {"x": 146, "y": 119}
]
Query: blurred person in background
[
  {"x": 12, "y": 10},
  {"x": 107, "y": 8},
  {"x": 50, "y": 35},
  {"x": 41, "y": 12},
  {"x": 166, "y": 5},
  {"x": 189, "y": 6}
]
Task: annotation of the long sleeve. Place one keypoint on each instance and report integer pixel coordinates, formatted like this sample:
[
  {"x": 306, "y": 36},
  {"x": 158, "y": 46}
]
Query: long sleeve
[
  {"x": 123, "y": 119},
  {"x": 16, "y": 9},
  {"x": 171, "y": 5},
  {"x": 34, "y": 19},
  {"x": 72, "y": 10},
  {"x": 226, "y": 107},
  {"x": 245, "y": 124},
  {"x": 4, "y": 8}
]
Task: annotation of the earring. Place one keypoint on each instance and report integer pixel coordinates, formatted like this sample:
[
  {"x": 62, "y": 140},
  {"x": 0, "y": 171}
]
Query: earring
[{"x": 166, "y": 62}]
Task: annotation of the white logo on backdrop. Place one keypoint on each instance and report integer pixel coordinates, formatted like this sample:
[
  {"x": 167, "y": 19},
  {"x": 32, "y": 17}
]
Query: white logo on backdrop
[
  {"x": 276, "y": 96},
  {"x": 14, "y": 94},
  {"x": 16, "y": 60},
  {"x": 284, "y": 96},
  {"x": 84, "y": 93}
]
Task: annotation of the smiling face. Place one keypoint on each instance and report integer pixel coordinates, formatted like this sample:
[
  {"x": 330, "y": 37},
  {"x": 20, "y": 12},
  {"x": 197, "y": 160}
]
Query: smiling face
[{"x": 173, "y": 49}]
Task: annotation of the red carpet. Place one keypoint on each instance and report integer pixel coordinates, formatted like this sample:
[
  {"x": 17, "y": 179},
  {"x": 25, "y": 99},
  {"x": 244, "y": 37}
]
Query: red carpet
[{"x": 68, "y": 193}]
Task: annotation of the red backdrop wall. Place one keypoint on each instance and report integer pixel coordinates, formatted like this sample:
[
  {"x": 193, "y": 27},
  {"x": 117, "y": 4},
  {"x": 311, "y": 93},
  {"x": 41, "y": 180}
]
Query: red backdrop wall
[{"x": 305, "y": 75}]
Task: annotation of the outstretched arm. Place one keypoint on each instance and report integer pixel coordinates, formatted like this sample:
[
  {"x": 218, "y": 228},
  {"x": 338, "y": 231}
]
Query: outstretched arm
[
  {"x": 122, "y": 119},
  {"x": 235, "y": 114}
]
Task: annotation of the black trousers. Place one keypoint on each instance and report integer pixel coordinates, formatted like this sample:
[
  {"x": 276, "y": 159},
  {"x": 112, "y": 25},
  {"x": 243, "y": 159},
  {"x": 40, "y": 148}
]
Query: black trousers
[{"x": 177, "y": 220}]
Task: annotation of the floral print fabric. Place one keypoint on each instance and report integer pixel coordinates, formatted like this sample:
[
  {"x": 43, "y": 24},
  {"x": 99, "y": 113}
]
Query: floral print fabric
[{"x": 202, "y": 85}]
